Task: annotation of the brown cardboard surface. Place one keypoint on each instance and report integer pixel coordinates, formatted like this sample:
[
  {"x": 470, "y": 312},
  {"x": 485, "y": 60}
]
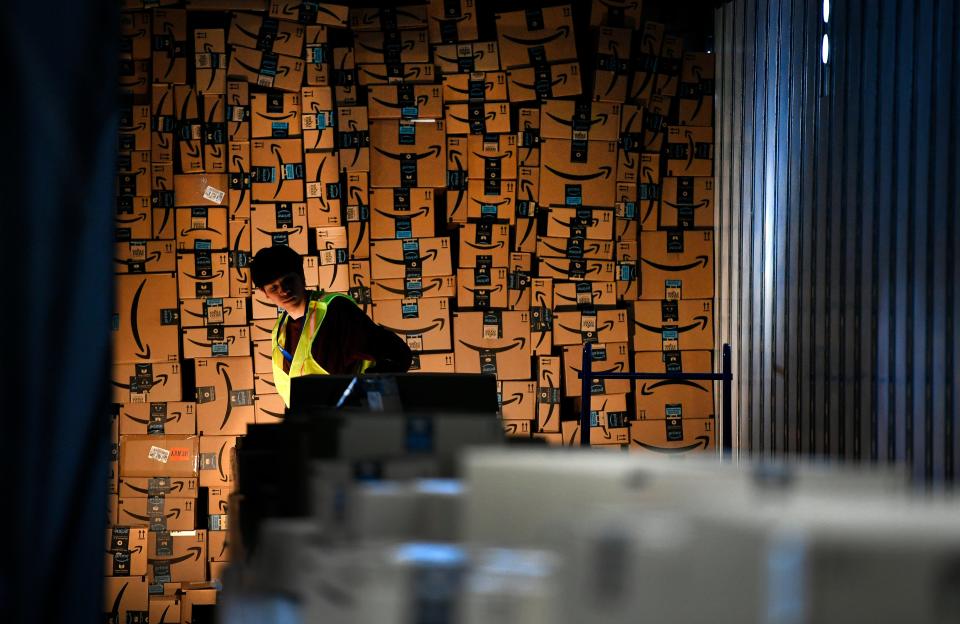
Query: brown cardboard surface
[
  {"x": 317, "y": 56},
  {"x": 492, "y": 157},
  {"x": 499, "y": 206},
  {"x": 609, "y": 357},
  {"x": 521, "y": 268},
  {"x": 402, "y": 213},
  {"x": 489, "y": 86},
  {"x": 275, "y": 115},
  {"x": 577, "y": 270},
  {"x": 126, "y": 551},
  {"x": 360, "y": 283},
  {"x": 161, "y": 513},
  {"x": 270, "y": 408},
  {"x": 238, "y": 180},
  {"x": 494, "y": 342},
  {"x": 372, "y": 47},
  {"x": 517, "y": 399},
  {"x": 135, "y": 128},
  {"x": 408, "y": 73},
  {"x": 674, "y": 436},
  {"x": 218, "y": 503},
  {"x": 652, "y": 397},
  {"x": 483, "y": 118},
  {"x": 263, "y": 361},
  {"x": 284, "y": 37},
  {"x": 173, "y": 417},
  {"x": 330, "y": 15},
  {"x": 405, "y": 102},
  {"x": 135, "y": 34},
  {"x": 575, "y": 327},
  {"x": 317, "y": 118},
  {"x": 573, "y": 294},
  {"x": 482, "y": 289},
  {"x": 562, "y": 119},
  {"x": 574, "y": 248},
  {"x": 651, "y": 41},
  {"x": 190, "y": 131},
  {"x": 262, "y": 309},
  {"x": 135, "y": 77},
  {"x": 276, "y": 71},
  {"x": 224, "y": 395},
  {"x": 468, "y": 57},
  {"x": 113, "y": 505},
  {"x": 164, "y": 123},
  {"x": 628, "y": 270},
  {"x": 279, "y": 224},
  {"x": 399, "y": 288},
  {"x": 407, "y": 17},
  {"x": 238, "y": 111},
  {"x": 423, "y": 323},
  {"x": 669, "y": 66},
  {"x": 145, "y": 319},
  {"x": 517, "y": 428},
  {"x": 133, "y": 177},
  {"x": 563, "y": 82},
  {"x": 262, "y": 329},
  {"x": 683, "y": 274},
  {"x": 689, "y": 151},
  {"x": 158, "y": 456},
  {"x": 525, "y": 236},
  {"x": 429, "y": 256},
  {"x": 687, "y": 203},
  {"x": 210, "y": 60},
  {"x": 202, "y": 594},
  {"x": 133, "y": 218},
  {"x": 417, "y": 164},
  {"x": 541, "y": 315},
  {"x": 591, "y": 181},
  {"x": 354, "y": 138},
  {"x": 625, "y": 13},
  {"x": 187, "y": 558},
  {"x": 698, "y": 112},
  {"x": 144, "y": 487},
  {"x": 484, "y": 244},
  {"x": 170, "y": 25},
  {"x": 203, "y": 274},
  {"x": 528, "y": 190},
  {"x": 278, "y": 170},
  {"x": 673, "y": 325},
  {"x": 553, "y": 37},
  {"x": 568, "y": 222},
  {"x": 164, "y": 610},
  {"x": 125, "y": 598},
  {"x": 450, "y": 21},
  {"x": 215, "y": 341},
  {"x": 433, "y": 363},
  {"x": 231, "y": 311},
  {"x": 216, "y": 461},
  {"x": 549, "y": 376},
  {"x": 218, "y": 548},
  {"x": 599, "y": 436},
  {"x": 139, "y": 383},
  {"x": 323, "y": 188},
  {"x": 145, "y": 256},
  {"x": 201, "y": 227},
  {"x": 612, "y": 72}
]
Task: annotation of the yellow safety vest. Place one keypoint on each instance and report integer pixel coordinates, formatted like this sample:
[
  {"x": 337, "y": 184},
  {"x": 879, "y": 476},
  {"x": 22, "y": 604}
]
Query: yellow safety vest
[{"x": 303, "y": 362}]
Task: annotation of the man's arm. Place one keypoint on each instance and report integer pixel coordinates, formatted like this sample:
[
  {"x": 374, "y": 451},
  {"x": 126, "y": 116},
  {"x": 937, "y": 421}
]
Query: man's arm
[{"x": 347, "y": 336}]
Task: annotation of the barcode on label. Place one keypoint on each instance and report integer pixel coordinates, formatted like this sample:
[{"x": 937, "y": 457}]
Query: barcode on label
[
  {"x": 159, "y": 454},
  {"x": 213, "y": 195}
]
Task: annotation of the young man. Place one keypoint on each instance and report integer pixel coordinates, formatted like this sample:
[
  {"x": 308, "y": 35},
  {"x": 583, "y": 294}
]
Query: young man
[{"x": 320, "y": 333}]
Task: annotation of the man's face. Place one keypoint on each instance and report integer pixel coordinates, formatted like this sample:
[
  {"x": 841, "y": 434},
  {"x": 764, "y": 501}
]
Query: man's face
[{"x": 286, "y": 292}]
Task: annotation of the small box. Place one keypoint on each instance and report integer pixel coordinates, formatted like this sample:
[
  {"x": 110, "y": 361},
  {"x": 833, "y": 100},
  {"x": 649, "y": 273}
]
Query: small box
[
  {"x": 145, "y": 256},
  {"x": 317, "y": 119},
  {"x": 477, "y": 118},
  {"x": 145, "y": 319},
  {"x": 433, "y": 363},
  {"x": 404, "y": 17},
  {"x": 133, "y": 177},
  {"x": 468, "y": 57},
  {"x": 405, "y": 101},
  {"x": 201, "y": 228},
  {"x": 690, "y": 151},
  {"x": 282, "y": 223},
  {"x": 482, "y": 287},
  {"x": 475, "y": 86},
  {"x": 400, "y": 288},
  {"x": 452, "y": 21},
  {"x": 405, "y": 73},
  {"x": 577, "y": 270},
  {"x": 133, "y": 219},
  {"x": 125, "y": 599},
  {"x": 126, "y": 551},
  {"x": 238, "y": 181},
  {"x": 317, "y": 56},
  {"x": 517, "y": 399},
  {"x": 177, "y": 557},
  {"x": 270, "y": 408},
  {"x": 574, "y": 248},
  {"x": 135, "y": 35},
  {"x": 203, "y": 274},
  {"x": 613, "y": 64},
  {"x": 579, "y": 121},
  {"x": 687, "y": 203},
  {"x": 238, "y": 111},
  {"x": 335, "y": 15},
  {"x": 146, "y": 487},
  {"x": 215, "y": 341},
  {"x": 656, "y": 399},
  {"x": 323, "y": 191},
  {"x": 210, "y": 61},
  {"x": 190, "y": 130},
  {"x": 278, "y": 173},
  {"x": 164, "y": 610},
  {"x": 620, "y": 14},
  {"x": 402, "y": 213},
  {"x": 254, "y": 31},
  {"x": 169, "y": 46},
  {"x": 230, "y": 311},
  {"x": 492, "y": 202},
  {"x": 676, "y": 265},
  {"x": 540, "y": 36}
]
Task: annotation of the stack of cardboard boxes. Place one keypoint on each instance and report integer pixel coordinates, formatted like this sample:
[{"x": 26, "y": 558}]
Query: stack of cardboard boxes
[{"x": 495, "y": 201}]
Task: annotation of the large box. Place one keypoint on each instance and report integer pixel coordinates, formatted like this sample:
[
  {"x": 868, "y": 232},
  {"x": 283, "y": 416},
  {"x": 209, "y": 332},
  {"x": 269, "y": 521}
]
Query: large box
[
  {"x": 145, "y": 319},
  {"x": 415, "y": 257},
  {"x": 126, "y": 551},
  {"x": 687, "y": 203},
  {"x": 158, "y": 456},
  {"x": 402, "y": 213},
  {"x": 423, "y": 323},
  {"x": 646, "y": 60},
  {"x": 493, "y": 342},
  {"x": 484, "y": 244},
  {"x": 532, "y": 84},
  {"x": 405, "y": 101},
  {"x": 577, "y": 173},
  {"x": 125, "y": 599},
  {"x": 549, "y": 391},
  {"x": 673, "y": 325},
  {"x": 277, "y": 173},
  {"x": 467, "y": 58},
  {"x": 216, "y": 461},
  {"x": 690, "y": 151},
  {"x": 407, "y": 154},
  {"x": 266, "y": 69},
  {"x": 275, "y": 115},
  {"x": 254, "y": 31},
  {"x": 612, "y": 357},
  {"x": 405, "y": 17},
  {"x": 159, "y": 513},
  {"x": 476, "y": 86},
  {"x": 483, "y": 287},
  {"x": 406, "y": 73},
  {"x": 284, "y": 223},
  {"x": 579, "y": 121},
  {"x": 224, "y": 395},
  {"x": 676, "y": 265},
  {"x": 146, "y": 382},
  {"x": 145, "y": 256},
  {"x": 177, "y": 557},
  {"x": 673, "y": 435},
  {"x": 166, "y": 417},
  {"x": 202, "y": 274},
  {"x": 657, "y": 399},
  {"x": 576, "y": 327},
  {"x": 536, "y": 36}
]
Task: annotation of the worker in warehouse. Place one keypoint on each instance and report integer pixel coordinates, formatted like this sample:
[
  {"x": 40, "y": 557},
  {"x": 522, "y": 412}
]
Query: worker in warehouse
[{"x": 320, "y": 333}]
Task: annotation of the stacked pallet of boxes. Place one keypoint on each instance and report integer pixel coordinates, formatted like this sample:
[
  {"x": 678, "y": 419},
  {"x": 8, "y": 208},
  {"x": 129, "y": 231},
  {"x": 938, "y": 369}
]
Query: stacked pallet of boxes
[{"x": 490, "y": 197}]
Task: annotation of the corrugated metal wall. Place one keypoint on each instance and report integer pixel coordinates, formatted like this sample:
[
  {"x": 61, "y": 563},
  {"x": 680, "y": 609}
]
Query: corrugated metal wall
[{"x": 839, "y": 228}]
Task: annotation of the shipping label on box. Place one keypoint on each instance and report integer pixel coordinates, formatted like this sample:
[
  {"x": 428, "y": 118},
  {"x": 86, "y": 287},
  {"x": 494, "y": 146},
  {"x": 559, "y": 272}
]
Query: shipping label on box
[
  {"x": 607, "y": 358},
  {"x": 484, "y": 244},
  {"x": 224, "y": 395},
  {"x": 543, "y": 35},
  {"x": 147, "y": 487},
  {"x": 174, "y": 417},
  {"x": 275, "y": 115},
  {"x": 465, "y": 58},
  {"x": 200, "y": 189},
  {"x": 133, "y": 219},
  {"x": 310, "y": 12},
  {"x": 397, "y": 46},
  {"x": 579, "y": 120},
  {"x": 577, "y": 327},
  {"x": 407, "y": 154},
  {"x": 577, "y": 173},
  {"x": 254, "y": 31},
  {"x": 279, "y": 224},
  {"x": 687, "y": 203},
  {"x": 423, "y": 323},
  {"x": 404, "y": 73},
  {"x": 475, "y": 86},
  {"x": 411, "y": 259},
  {"x": 402, "y": 213},
  {"x": 673, "y": 325},
  {"x": 657, "y": 399},
  {"x": 549, "y": 375},
  {"x": 203, "y": 274},
  {"x": 238, "y": 111},
  {"x": 673, "y": 435},
  {"x": 266, "y": 69},
  {"x": 477, "y": 118},
  {"x": 483, "y": 287},
  {"x": 493, "y": 342},
  {"x": 176, "y": 557},
  {"x": 216, "y": 461},
  {"x": 453, "y": 21},
  {"x": 568, "y": 295},
  {"x": 142, "y": 383},
  {"x": 399, "y": 288},
  {"x": 690, "y": 151},
  {"x": 126, "y": 551},
  {"x": 676, "y": 265},
  {"x": 407, "y": 17},
  {"x": 574, "y": 248},
  {"x": 170, "y": 46},
  {"x": 517, "y": 399},
  {"x": 145, "y": 319},
  {"x": 324, "y": 195},
  {"x": 498, "y": 205},
  {"x": 158, "y": 456},
  {"x": 532, "y": 84},
  {"x": 433, "y": 363},
  {"x": 126, "y": 599},
  {"x": 145, "y": 256}
]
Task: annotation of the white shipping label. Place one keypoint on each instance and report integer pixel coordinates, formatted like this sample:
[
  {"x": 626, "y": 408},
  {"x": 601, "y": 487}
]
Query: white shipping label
[
  {"x": 214, "y": 195},
  {"x": 161, "y": 455}
]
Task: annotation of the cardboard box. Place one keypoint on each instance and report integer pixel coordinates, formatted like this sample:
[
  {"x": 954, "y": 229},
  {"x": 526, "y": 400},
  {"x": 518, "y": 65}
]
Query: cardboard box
[
  {"x": 528, "y": 192},
  {"x": 146, "y": 382},
  {"x": 690, "y": 151},
  {"x": 579, "y": 121},
  {"x": 649, "y": 190},
  {"x": 321, "y": 13},
  {"x": 577, "y": 173},
  {"x": 541, "y": 315},
  {"x": 433, "y": 363},
  {"x": 577, "y": 270},
  {"x": 538, "y": 36},
  {"x": 399, "y": 288},
  {"x": 549, "y": 376},
  {"x": 133, "y": 177},
  {"x": 406, "y": 73},
  {"x": 657, "y": 399},
  {"x": 607, "y": 357},
  {"x": 483, "y": 288},
  {"x": 164, "y": 610},
  {"x": 576, "y": 327},
  {"x": 687, "y": 203},
  {"x": 574, "y": 248},
  {"x": 135, "y": 35},
  {"x": 402, "y": 213},
  {"x": 476, "y": 86},
  {"x": 146, "y": 487},
  {"x": 343, "y": 77},
  {"x": 696, "y": 89},
  {"x": 676, "y": 265},
  {"x": 517, "y": 399},
  {"x": 216, "y": 461},
  {"x": 266, "y": 69},
  {"x": 673, "y": 325},
  {"x": 625, "y": 14},
  {"x": 134, "y": 77},
  {"x": 613, "y": 67},
  {"x": 278, "y": 170},
  {"x": 144, "y": 256},
  {"x": 466, "y": 58},
  {"x": 452, "y": 21},
  {"x": 145, "y": 319},
  {"x": 625, "y": 224},
  {"x": 397, "y": 46},
  {"x": 201, "y": 228},
  {"x": 135, "y": 128},
  {"x": 673, "y": 435},
  {"x": 270, "y": 408},
  {"x": 256, "y": 32},
  {"x": 190, "y": 128},
  {"x": 583, "y": 294},
  {"x": 238, "y": 111},
  {"x": 492, "y": 158},
  {"x": 210, "y": 61},
  {"x": 407, "y": 154},
  {"x": 324, "y": 195},
  {"x": 218, "y": 548},
  {"x": 317, "y": 57},
  {"x": 646, "y": 61},
  {"x": 125, "y": 599},
  {"x": 493, "y": 342},
  {"x": 177, "y": 558},
  {"x": 159, "y": 513},
  {"x": 158, "y": 456},
  {"x": 484, "y": 244},
  {"x": 218, "y": 501},
  {"x": 628, "y": 270},
  {"x": 126, "y": 551},
  {"x": 635, "y": 165},
  {"x": 241, "y": 284},
  {"x": 528, "y": 125},
  {"x": 174, "y": 417},
  {"x": 477, "y": 118},
  {"x": 238, "y": 182},
  {"x": 279, "y": 224},
  {"x": 194, "y": 594},
  {"x": 263, "y": 365},
  {"x": 518, "y": 282},
  {"x": 334, "y": 278},
  {"x": 361, "y": 283},
  {"x": 525, "y": 236},
  {"x": 133, "y": 219},
  {"x": 517, "y": 428},
  {"x": 404, "y": 17},
  {"x": 605, "y": 413},
  {"x": 231, "y": 311},
  {"x": 317, "y": 119},
  {"x": 224, "y": 395},
  {"x": 668, "y": 66},
  {"x": 261, "y": 308},
  {"x": 484, "y": 206},
  {"x": 415, "y": 257},
  {"x": 161, "y": 198},
  {"x": 203, "y": 274},
  {"x": 424, "y": 323},
  {"x": 169, "y": 46},
  {"x": 215, "y": 341},
  {"x": 163, "y": 123},
  {"x": 275, "y": 115},
  {"x": 532, "y": 84}
]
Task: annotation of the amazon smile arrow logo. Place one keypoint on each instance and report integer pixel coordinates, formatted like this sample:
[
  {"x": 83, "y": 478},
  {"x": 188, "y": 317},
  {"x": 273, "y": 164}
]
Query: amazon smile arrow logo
[
  {"x": 127, "y": 221},
  {"x": 403, "y": 291},
  {"x": 649, "y": 389},
  {"x": 603, "y": 172},
  {"x": 600, "y": 118},
  {"x": 431, "y": 254},
  {"x": 175, "y": 513},
  {"x": 699, "y": 320},
  {"x": 159, "y": 380},
  {"x": 173, "y": 417},
  {"x": 421, "y": 100},
  {"x": 560, "y": 79},
  {"x": 701, "y": 442},
  {"x": 454, "y": 20},
  {"x": 406, "y": 45},
  {"x": 213, "y": 276},
  {"x": 175, "y": 486},
  {"x": 437, "y": 323},
  {"x": 414, "y": 73},
  {"x": 519, "y": 342},
  {"x": 496, "y": 288},
  {"x": 135, "y": 323},
  {"x": 433, "y": 150},
  {"x": 561, "y": 33},
  {"x": 288, "y": 231},
  {"x": 488, "y": 117},
  {"x": 404, "y": 215},
  {"x": 602, "y": 327},
  {"x": 195, "y": 550},
  {"x": 592, "y": 268},
  {"x": 616, "y": 368},
  {"x": 489, "y": 247},
  {"x": 228, "y": 339},
  {"x": 701, "y": 261},
  {"x": 702, "y": 204}
]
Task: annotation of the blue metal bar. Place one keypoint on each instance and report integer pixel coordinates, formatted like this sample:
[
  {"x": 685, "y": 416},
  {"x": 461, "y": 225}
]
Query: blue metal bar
[
  {"x": 690, "y": 376},
  {"x": 726, "y": 411},
  {"x": 586, "y": 382}
]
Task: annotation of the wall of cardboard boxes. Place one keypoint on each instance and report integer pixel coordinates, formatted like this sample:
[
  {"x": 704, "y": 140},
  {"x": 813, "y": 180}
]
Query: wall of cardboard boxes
[{"x": 496, "y": 203}]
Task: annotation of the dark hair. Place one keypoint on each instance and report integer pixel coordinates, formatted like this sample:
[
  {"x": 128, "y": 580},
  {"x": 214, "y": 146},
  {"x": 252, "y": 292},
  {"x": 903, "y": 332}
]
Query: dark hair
[{"x": 271, "y": 263}]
